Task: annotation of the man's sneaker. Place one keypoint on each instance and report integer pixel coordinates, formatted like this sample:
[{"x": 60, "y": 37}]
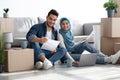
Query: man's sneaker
[
  {"x": 47, "y": 64},
  {"x": 115, "y": 57},
  {"x": 38, "y": 65}
]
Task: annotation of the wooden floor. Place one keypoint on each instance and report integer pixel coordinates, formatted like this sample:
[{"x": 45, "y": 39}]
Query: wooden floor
[{"x": 61, "y": 72}]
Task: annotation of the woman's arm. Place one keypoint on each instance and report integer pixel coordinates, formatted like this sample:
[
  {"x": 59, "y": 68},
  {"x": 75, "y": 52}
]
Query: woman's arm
[{"x": 60, "y": 38}]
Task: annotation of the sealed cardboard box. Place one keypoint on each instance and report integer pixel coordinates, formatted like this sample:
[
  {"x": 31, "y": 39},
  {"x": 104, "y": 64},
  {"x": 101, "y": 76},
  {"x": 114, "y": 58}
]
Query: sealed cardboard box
[
  {"x": 17, "y": 59},
  {"x": 116, "y": 47},
  {"x": 107, "y": 45},
  {"x": 110, "y": 27}
]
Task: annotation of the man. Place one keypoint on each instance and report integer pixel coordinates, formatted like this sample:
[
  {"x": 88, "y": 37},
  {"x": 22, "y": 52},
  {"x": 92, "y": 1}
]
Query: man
[{"x": 39, "y": 34}]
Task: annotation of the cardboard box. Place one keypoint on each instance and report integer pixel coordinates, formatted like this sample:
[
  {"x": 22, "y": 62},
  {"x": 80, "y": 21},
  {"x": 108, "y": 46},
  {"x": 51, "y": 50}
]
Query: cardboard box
[
  {"x": 110, "y": 27},
  {"x": 118, "y": 10},
  {"x": 18, "y": 59},
  {"x": 7, "y": 25},
  {"x": 107, "y": 45},
  {"x": 116, "y": 47}
]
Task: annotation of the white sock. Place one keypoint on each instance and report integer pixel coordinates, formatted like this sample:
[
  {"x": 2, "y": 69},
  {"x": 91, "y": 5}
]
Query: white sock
[
  {"x": 38, "y": 65},
  {"x": 107, "y": 59},
  {"x": 47, "y": 64}
]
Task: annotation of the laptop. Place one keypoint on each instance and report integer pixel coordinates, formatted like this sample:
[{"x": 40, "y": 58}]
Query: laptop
[{"x": 87, "y": 59}]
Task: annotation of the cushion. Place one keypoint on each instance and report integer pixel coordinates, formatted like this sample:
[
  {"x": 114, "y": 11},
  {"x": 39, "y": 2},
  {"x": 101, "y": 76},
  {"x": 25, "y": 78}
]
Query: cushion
[
  {"x": 77, "y": 28},
  {"x": 21, "y": 27},
  {"x": 88, "y": 27}
]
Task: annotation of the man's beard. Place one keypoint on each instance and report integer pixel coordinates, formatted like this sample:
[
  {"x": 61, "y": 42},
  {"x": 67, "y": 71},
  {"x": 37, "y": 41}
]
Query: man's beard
[{"x": 49, "y": 25}]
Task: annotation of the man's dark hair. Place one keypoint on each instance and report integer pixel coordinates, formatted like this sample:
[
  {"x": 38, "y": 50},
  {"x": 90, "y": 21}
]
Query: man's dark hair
[{"x": 54, "y": 12}]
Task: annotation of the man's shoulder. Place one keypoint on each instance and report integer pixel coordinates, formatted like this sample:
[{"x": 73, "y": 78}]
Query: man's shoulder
[{"x": 40, "y": 25}]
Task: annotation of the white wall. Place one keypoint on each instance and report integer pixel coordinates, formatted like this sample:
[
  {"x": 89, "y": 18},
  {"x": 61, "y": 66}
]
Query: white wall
[{"x": 82, "y": 10}]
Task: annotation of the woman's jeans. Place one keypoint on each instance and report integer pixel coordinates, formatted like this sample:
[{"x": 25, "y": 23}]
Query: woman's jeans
[
  {"x": 52, "y": 57},
  {"x": 79, "y": 48}
]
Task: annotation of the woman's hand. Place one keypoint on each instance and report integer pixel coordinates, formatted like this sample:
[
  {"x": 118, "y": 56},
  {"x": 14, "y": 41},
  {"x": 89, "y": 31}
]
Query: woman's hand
[{"x": 76, "y": 63}]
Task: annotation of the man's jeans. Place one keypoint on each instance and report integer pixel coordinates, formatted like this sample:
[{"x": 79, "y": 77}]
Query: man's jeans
[
  {"x": 52, "y": 57},
  {"x": 79, "y": 48}
]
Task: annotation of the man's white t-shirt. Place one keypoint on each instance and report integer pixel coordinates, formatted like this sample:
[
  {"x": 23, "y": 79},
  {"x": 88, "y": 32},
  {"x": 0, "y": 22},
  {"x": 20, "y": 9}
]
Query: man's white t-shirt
[{"x": 49, "y": 34}]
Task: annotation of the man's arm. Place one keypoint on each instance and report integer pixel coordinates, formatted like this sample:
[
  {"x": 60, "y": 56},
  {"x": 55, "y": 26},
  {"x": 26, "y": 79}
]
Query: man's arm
[
  {"x": 32, "y": 32},
  {"x": 40, "y": 40},
  {"x": 31, "y": 35}
]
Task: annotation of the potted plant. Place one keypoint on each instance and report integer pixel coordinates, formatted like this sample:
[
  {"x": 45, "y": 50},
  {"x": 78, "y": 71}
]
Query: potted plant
[
  {"x": 5, "y": 15},
  {"x": 1, "y": 54},
  {"x": 111, "y": 7}
]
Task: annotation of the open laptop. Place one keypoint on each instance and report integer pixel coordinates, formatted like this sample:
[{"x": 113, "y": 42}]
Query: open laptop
[{"x": 87, "y": 59}]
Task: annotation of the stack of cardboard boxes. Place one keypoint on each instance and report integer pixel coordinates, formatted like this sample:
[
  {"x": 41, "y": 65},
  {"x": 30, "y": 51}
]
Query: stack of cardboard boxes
[{"x": 110, "y": 34}]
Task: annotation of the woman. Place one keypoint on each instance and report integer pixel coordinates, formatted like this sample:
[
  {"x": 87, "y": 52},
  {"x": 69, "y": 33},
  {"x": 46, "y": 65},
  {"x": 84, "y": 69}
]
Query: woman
[{"x": 67, "y": 41}]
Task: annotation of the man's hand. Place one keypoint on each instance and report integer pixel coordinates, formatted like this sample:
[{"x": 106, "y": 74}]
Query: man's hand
[
  {"x": 53, "y": 52},
  {"x": 43, "y": 40}
]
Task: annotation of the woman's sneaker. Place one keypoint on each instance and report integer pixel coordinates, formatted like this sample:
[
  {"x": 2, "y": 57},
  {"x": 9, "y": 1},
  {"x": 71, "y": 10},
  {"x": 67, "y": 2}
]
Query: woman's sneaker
[
  {"x": 115, "y": 57},
  {"x": 39, "y": 65},
  {"x": 47, "y": 64}
]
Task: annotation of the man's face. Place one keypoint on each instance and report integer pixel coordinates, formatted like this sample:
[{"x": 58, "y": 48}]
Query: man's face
[{"x": 50, "y": 20}]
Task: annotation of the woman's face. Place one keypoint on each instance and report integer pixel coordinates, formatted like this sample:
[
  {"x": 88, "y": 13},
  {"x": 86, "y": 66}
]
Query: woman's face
[{"x": 65, "y": 25}]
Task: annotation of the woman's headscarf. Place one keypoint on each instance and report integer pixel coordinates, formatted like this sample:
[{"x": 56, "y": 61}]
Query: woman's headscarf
[{"x": 67, "y": 35}]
